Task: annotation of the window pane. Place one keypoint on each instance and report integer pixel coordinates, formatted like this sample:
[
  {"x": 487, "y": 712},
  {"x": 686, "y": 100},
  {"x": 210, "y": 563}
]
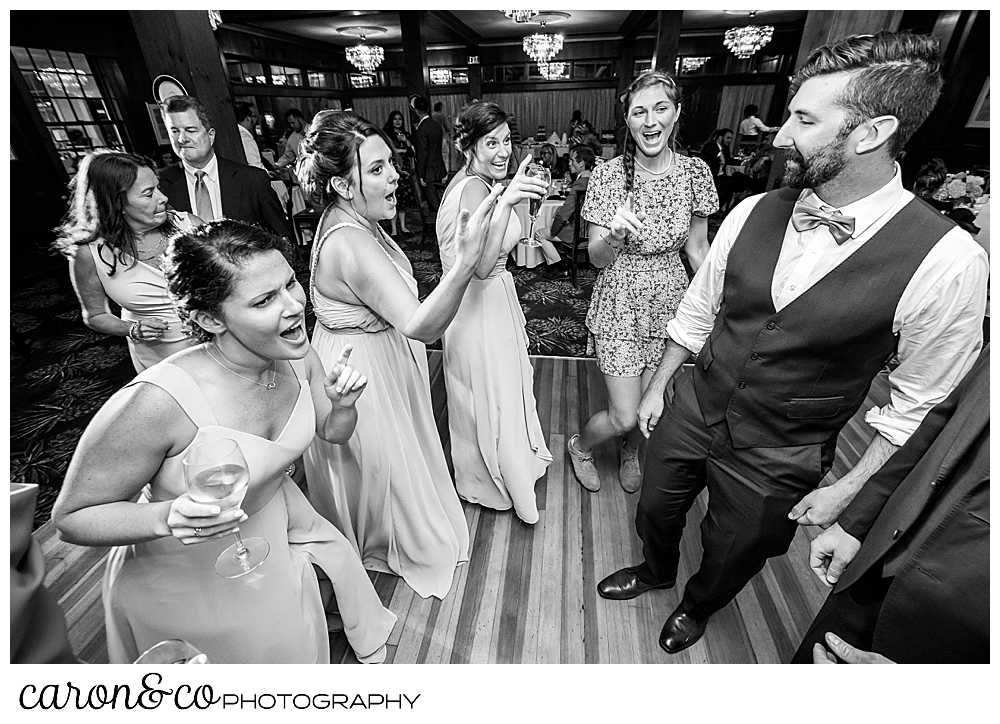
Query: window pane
[
  {"x": 513, "y": 73},
  {"x": 97, "y": 109},
  {"x": 52, "y": 84},
  {"x": 78, "y": 137},
  {"x": 89, "y": 86},
  {"x": 48, "y": 112},
  {"x": 319, "y": 79},
  {"x": 82, "y": 111},
  {"x": 235, "y": 71},
  {"x": 80, "y": 62},
  {"x": 31, "y": 80},
  {"x": 41, "y": 58},
  {"x": 64, "y": 110},
  {"x": 59, "y": 137},
  {"x": 96, "y": 138},
  {"x": 72, "y": 85},
  {"x": 21, "y": 57},
  {"x": 61, "y": 60},
  {"x": 395, "y": 78}
]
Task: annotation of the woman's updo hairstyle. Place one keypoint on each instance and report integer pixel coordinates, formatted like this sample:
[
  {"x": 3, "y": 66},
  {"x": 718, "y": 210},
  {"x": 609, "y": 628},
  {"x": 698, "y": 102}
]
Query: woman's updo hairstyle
[
  {"x": 201, "y": 265},
  {"x": 475, "y": 121},
  {"x": 648, "y": 80},
  {"x": 332, "y": 149}
]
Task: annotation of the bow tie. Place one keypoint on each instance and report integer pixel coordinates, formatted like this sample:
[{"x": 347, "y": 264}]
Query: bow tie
[{"x": 805, "y": 217}]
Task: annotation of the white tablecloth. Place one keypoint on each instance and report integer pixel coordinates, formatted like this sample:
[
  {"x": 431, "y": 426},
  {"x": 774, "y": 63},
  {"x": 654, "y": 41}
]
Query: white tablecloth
[
  {"x": 531, "y": 256},
  {"x": 607, "y": 150}
]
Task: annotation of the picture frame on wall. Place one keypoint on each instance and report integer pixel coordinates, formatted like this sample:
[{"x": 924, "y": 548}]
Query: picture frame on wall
[
  {"x": 980, "y": 117},
  {"x": 156, "y": 118}
]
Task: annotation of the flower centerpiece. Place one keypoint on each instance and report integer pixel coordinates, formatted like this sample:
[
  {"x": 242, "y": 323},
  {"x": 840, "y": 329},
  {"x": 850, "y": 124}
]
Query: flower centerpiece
[{"x": 960, "y": 189}]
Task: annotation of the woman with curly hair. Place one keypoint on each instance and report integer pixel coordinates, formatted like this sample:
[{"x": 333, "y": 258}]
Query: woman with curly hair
[
  {"x": 497, "y": 444},
  {"x": 119, "y": 219},
  {"x": 643, "y": 207},
  {"x": 388, "y": 489},
  {"x": 253, "y": 379}
]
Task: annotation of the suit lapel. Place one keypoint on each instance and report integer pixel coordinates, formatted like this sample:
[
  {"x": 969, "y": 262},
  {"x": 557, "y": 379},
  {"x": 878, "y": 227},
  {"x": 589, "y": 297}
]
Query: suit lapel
[
  {"x": 230, "y": 190},
  {"x": 174, "y": 187}
]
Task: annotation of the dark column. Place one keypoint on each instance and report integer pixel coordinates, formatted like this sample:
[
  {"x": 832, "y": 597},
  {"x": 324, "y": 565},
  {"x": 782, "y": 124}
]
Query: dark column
[
  {"x": 181, "y": 43},
  {"x": 415, "y": 69},
  {"x": 475, "y": 75},
  {"x": 668, "y": 39},
  {"x": 825, "y": 26}
]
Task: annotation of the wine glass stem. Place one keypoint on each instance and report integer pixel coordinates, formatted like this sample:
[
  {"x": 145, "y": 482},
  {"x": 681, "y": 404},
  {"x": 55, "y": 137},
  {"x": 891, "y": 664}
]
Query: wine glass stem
[
  {"x": 241, "y": 550},
  {"x": 531, "y": 233}
]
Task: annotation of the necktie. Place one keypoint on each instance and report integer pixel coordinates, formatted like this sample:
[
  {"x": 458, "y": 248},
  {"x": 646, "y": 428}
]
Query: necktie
[
  {"x": 805, "y": 217},
  {"x": 202, "y": 199}
]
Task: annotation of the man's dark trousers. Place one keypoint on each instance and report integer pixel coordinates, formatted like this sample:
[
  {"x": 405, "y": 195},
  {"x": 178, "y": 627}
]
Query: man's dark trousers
[{"x": 750, "y": 492}]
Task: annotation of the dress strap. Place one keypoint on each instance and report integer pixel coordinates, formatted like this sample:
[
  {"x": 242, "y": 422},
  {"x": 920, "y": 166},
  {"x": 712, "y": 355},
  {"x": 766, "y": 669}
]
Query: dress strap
[{"x": 181, "y": 386}]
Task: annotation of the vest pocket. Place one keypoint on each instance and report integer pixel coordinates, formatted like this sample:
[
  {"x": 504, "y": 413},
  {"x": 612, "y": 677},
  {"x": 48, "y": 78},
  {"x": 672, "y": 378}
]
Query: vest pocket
[{"x": 807, "y": 408}]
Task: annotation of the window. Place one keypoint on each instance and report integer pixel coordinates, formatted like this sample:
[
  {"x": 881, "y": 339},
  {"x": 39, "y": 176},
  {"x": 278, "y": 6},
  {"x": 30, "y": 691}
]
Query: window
[
  {"x": 283, "y": 75},
  {"x": 449, "y": 76},
  {"x": 320, "y": 79},
  {"x": 641, "y": 66},
  {"x": 596, "y": 70},
  {"x": 246, "y": 72},
  {"x": 65, "y": 90},
  {"x": 362, "y": 80}
]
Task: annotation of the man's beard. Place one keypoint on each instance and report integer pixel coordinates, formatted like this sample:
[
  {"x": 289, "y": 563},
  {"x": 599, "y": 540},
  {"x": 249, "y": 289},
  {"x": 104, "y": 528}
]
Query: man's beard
[{"x": 822, "y": 167}]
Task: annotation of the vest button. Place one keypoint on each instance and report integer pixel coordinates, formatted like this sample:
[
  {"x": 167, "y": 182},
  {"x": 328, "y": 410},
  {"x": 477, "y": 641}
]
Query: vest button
[
  {"x": 742, "y": 385},
  {"x": 771, "y": 325},
  {"x": 895, "y": 533},
  {"x": 754, "y": 355}
]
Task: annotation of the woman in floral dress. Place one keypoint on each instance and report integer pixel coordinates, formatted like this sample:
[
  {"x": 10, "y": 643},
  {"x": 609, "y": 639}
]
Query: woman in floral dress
[{"x": 643, "y": 208}]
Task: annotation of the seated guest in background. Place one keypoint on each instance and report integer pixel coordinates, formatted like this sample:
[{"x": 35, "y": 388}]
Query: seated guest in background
[
  {"x": 207, "y": 184},
  {"x": 114, "y": 234},
  {"x": 910, "y": 556},
  {"x": 246, "y": 122},
  {"x": 254, "y": 379},
  {"x": 581, "y": 163},
  {"x": 929, "y": 179},
  {"x": 786, "y": 357},
  {"x": 752, "y": 129},
  {"x": 574, "y": 130},
  {"x": 550, "y": 160}
]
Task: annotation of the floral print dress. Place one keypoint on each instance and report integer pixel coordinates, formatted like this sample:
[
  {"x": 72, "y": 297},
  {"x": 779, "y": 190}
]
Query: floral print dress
[{"x": 638, "y": 293}]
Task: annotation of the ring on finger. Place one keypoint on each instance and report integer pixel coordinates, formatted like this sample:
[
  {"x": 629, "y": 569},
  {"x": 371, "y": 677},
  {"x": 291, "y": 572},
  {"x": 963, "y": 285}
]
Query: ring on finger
[{"x": 197, "y": 532}]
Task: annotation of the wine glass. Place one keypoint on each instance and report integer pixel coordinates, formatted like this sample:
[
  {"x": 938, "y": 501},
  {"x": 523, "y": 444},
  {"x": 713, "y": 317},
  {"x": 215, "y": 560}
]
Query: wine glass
[
  {"x": 216, "y": 472},
  {"x": 535, "y": 170},
  {"x": 171, "y": 651}
]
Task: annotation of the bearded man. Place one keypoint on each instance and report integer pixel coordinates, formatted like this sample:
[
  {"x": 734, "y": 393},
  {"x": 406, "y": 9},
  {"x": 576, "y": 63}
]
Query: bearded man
[{"x": 806, "y": 294}]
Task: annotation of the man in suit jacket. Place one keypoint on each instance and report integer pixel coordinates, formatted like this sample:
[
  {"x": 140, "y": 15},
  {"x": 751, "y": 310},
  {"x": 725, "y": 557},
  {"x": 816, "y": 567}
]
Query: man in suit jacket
[
  {"x": 916, "y": 544},
  {"x": 427, "y": 139},
  {"x": 208, "y": 185}
]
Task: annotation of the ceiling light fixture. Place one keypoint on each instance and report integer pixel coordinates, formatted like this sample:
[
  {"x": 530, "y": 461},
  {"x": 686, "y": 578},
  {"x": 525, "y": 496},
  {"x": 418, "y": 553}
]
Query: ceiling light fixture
[
  {"x": 747, "y": 40},
  {"x": 542, "y": 47},
  {"x": 520, "y": 16},
  {"x": 365, "y": 58}
]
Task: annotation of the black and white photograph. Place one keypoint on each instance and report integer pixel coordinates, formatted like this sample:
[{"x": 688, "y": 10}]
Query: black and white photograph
[{"x": 464, "y": 336}]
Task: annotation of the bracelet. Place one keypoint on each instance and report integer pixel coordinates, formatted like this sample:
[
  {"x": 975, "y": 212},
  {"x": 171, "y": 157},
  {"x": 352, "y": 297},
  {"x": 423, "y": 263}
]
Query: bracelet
[
  {"x": 133, "y": 332},
  {"x": 607, "y": 240}
]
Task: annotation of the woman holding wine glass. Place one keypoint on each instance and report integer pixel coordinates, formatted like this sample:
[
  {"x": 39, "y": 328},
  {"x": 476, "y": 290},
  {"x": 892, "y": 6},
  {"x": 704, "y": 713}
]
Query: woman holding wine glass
[
  {"x": 497, "y": 444},
  {"x": 255, "y": 390},
  {"x": 643, "y": 207}
]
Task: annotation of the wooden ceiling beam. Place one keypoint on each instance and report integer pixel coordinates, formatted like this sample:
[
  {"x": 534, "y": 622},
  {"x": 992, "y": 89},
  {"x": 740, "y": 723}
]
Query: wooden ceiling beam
[
  {"x": 638, "y": 21},
  {"x": 462, "y": 31}
]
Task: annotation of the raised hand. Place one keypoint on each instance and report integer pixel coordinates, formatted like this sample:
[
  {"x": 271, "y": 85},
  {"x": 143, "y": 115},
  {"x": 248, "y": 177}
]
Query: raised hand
[
  {"x": 627, "y": 220},
  {"x": 473, "y": 229},
  {"x": 344, "y": 384},
  {"x": 523, "y": 186}
]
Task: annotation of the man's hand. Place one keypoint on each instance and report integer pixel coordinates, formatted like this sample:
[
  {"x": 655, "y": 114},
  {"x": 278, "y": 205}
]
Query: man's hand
[
  {"x": 821, "y": 507},
  {"x": 830, "y": 552},
  {"x": 846, "y": 652},
  {"x": 649, "y": 412}
]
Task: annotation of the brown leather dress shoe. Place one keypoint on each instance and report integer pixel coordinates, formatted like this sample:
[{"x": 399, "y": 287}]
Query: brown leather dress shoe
[
  {"x": 681, "y": 631},
  {"x": 625, "y": 584}
]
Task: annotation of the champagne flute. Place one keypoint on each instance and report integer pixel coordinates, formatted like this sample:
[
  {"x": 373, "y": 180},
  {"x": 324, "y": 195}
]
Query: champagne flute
[
  {"x": 535, "y": 170},
  {"x": 172, "y": 651},
  {"x": 216, "y": 472}
]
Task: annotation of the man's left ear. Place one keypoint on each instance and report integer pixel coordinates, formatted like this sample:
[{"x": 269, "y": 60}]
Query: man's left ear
[
  {"x": 877, "y": 133},
  {"x": 211, "y": 136}
]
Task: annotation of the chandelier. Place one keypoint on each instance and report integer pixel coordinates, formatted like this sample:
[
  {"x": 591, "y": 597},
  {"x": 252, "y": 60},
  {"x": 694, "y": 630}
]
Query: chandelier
[
  {"x": 552, "y": 71},
  {"x": 520, "y": 16},
  {"x": 542, "y": 47},
  {"x": 365, "y": 58},
  {"x": 747, "y": 40}
]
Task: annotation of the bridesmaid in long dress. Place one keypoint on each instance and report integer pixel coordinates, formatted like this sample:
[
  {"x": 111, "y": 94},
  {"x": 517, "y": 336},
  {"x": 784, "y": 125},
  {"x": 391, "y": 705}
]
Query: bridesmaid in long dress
[
  {"x": 114, "y": 235},
  {"x": 256, "y": 380},
  {"x": 497, "y": 445},
  {"x": 388, "y": 489}
]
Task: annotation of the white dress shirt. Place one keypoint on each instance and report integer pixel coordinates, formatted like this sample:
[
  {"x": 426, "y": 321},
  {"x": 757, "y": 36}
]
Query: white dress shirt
[
  {"x": 250, "y": 148},
  {"x": 211, "y": 182},
  {"x": 938, "y": 317}
]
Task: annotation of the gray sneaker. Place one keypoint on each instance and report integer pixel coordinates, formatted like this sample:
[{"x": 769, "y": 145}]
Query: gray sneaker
[
  {"x": 629, "y": 472},
  {"x": 583, "y": 466}
]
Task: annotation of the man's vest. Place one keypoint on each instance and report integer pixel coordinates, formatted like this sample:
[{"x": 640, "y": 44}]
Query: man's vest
[{"x": 796, "y": 376}]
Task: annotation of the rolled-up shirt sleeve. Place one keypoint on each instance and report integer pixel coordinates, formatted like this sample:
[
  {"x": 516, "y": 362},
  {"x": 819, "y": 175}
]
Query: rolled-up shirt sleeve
[
  {"x": 939, "y": 319},
  {"x": 697, "y": 311}
]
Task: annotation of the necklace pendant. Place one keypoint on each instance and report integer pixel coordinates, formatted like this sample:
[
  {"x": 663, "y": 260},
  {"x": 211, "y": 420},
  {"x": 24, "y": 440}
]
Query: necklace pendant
[{"x": 270, "y": 386}]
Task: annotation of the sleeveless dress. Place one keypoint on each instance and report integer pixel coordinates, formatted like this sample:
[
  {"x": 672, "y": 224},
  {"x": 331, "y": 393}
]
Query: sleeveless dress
[
  {"x": 388, "y": 489},
  {"x": 497, "y": 445},
  {"x": 140, "y": 289},
  {"x": 162, "y": 589}
]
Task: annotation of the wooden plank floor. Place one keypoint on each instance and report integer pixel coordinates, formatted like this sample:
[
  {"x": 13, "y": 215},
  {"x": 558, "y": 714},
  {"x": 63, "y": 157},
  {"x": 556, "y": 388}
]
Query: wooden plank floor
[{"x": 528, "y": 593}]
